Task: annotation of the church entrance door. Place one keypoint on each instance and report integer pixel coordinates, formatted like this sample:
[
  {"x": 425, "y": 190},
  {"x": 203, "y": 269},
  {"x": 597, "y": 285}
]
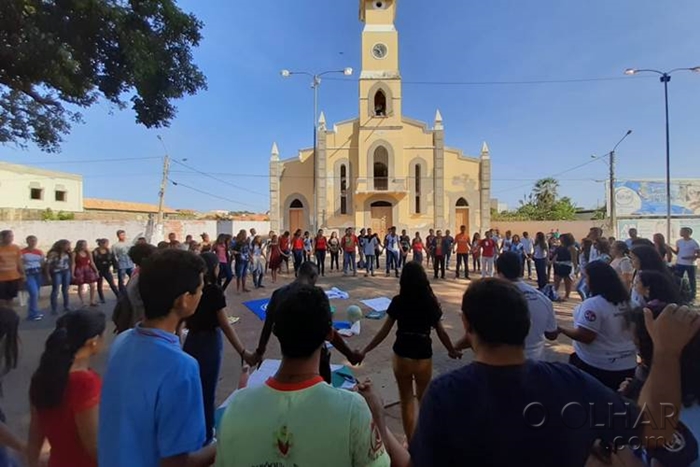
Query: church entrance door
[{"x": 382, "y": 217}]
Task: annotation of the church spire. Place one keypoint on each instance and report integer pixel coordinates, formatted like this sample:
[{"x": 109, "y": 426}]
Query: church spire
[
  {"x": 484, "y": 151},
  {"x": 275, "y": 153},
  {"x": 438, "y": 120},
  {"x": 322, "y": 121}
]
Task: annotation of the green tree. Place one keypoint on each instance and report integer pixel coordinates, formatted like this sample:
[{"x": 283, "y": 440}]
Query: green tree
[
  {"x": 542, "y": 204},
  {"x": 545, "y": 192},
  {"x": 60, "y": 56}
]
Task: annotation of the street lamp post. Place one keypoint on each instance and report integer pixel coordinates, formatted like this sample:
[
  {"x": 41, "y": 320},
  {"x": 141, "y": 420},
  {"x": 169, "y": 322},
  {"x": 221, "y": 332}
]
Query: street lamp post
[
  {"x": 315, "y": 84},
  {"x": 611, "y": 188},
  {"x": 665, "y": 77}
]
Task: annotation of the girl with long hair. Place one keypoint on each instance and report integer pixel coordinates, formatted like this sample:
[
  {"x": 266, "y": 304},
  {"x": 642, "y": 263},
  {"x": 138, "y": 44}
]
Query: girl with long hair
[
  {"x": 85, "y": 272},
  {"x": 540, "y": 255},
  {"x": 308, "y": 246},
  {"x": 320, "y": 248},
  {"x": 564, "y": 261},
  {"x": 65, "y": 393},
  {"x": 476, "y": 252},
  {"x": 621, "y": 263},
  {"x": 59, "y": 262},
  {"x": 334, "y": 248},
  {"x": 662, "y": 248},
  {"x": 221, "y": 249},
  {"x": 646, "y": 258},
  {"x": 285, "y": 249},
  {"x": 584, "y": 258},
  {"x": 205, "y": 244},
  {"x": 297, "y": 250},
  {"x": 418, "y": 248},
  {"x": 104, "y": 260},
  {"x": 33, "y": 262},
  {"x": 241, "y": 250},
  {"x": 257, "y": 261},
  {"x": 417, "y": 311},
  {"x": 603, "y": 345},
  {"x": 204, "y": 341},
  {"x": 274, "y": 255}
]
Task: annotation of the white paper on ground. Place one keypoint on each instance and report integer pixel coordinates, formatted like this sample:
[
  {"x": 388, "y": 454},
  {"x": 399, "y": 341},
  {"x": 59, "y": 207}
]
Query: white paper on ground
[
  {"x": 336, "y": 293},
  {"x": 378, "y": 304},
  {"x": 353, "y": 331}
]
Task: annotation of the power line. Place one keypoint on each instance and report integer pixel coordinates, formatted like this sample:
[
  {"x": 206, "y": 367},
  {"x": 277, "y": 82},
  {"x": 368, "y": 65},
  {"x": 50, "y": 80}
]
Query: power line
[
  {"x": 210, "y": 194},
  {"x": 226, "y": 182},
  {"x": 498, "y": 83},
  {"x": 92, "y": 161}
]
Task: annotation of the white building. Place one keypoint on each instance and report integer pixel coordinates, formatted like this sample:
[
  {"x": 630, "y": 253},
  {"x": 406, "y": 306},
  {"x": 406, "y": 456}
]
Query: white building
[{"x": 23, "y": 187}]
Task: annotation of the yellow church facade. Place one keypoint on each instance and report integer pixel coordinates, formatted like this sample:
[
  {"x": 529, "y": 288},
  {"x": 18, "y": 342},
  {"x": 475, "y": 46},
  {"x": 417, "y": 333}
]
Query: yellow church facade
[{"x": 382, "y": 168}]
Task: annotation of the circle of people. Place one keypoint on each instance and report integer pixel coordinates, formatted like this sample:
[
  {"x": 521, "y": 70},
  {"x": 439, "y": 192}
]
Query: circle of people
[{"x": 635, "y": 341}]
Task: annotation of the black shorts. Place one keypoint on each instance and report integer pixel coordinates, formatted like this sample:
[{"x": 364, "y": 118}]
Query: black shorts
[
  {"x": 562, "y": 270},
  {"x": 9, "y": 289}
]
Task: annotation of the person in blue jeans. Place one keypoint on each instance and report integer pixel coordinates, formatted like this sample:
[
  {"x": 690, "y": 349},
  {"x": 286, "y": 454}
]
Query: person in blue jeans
[
  {"x": 241, "y": 251},
  {"x": 204, "y": 340},
  {"x": 33, "y": 263},
  {"x": 370, "y": 246},
  {"x": 349, "y": 245},
  {"x": 688, "y": 252},
  {"x": 392, "y": 247},
  {"x": 60, "y": 263},
  {"x": 125, "y": 267}
]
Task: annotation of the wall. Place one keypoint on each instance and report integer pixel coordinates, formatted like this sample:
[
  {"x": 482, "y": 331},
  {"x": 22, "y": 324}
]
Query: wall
[
  {"x": 578, "y": 228},
  {"x": 50, "y": 231},
  {"x": 16, "y": 181},
  {"x": 233, "y": 227}
]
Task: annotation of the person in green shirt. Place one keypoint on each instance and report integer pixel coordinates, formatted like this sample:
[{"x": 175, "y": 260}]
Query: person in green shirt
[{"x": 296, "y": 418}]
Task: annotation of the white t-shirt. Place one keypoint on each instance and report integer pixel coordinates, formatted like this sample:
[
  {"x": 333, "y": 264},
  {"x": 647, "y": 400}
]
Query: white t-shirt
[
  {"x": 542, "y": 320},
  {"x": 392, "y": 243},
  {"x": 622, "y": 265},
  {"x": 613, "y": 349},
  {"x": 541, "y": 253},
  {"x": 370, "y": 246},
  {"x": 527, "y": 245},
  {"x": 686, "y": 248}
]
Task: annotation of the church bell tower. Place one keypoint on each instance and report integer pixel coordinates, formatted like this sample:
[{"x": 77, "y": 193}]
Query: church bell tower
[{"x": 380, "y": 80}]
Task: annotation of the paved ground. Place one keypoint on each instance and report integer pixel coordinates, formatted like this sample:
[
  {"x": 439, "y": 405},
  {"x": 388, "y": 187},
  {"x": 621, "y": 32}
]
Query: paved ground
[{"x": 377, "y": 365}]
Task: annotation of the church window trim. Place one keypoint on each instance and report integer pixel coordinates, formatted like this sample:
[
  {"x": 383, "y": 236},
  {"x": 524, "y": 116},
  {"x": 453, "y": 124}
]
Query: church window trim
[
  {"x": 388, "y": 100},
  {"x": 343, "y": 189}
]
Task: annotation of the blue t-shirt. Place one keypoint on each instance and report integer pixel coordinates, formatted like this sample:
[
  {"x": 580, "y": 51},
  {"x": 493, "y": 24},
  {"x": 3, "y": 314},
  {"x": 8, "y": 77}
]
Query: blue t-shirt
[
  {"x": 487, "y": 415},
  {"x": 151, "y": 406}
]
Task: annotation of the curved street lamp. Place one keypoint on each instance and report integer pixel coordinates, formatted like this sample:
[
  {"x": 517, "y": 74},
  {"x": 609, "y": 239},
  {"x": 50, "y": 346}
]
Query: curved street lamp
[
  {"x": 665, "y": 77},
  {"x": 315, "y": 84}
]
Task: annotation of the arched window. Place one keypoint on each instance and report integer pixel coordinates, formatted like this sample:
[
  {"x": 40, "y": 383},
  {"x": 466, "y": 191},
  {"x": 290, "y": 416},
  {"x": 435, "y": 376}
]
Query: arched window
[
  {"x": 296, "y": 204},
  {"x": 343, "y": 189},
  {"x": 462, "y": 203},
  {"x": 381, "y": 169},
  {"x": 417, "y": 174},
  {"x": 380, "y": 104}
]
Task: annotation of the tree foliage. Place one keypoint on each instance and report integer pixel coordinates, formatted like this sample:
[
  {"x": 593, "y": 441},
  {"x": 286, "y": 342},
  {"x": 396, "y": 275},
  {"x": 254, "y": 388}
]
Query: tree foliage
[
  {"x": 58, "y": 56},
  {"x": 542, "y": 204}
]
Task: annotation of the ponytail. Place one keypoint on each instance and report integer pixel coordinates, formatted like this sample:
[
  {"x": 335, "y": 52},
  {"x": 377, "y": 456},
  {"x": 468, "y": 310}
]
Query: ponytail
[{"x": 72, "y": 331}]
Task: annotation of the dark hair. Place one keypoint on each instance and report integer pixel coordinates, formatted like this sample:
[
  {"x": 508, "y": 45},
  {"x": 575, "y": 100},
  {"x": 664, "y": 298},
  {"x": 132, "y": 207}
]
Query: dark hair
[
  {"x": 138, "y": 253},
  {"x": 9, "y": 323},
  {"x": 567, "y": 240},
  {"x": 211, "y": 261},
  {"x": 622, "y": 247},
  {"x": 649, "y": 259},
  {"x": 51, "y": 378},
  {"x": 541, "y": 240},
  {"x": 163, "y": 245},
  {"x": 586, "y": 245},
  {"x": 303, "y": 321},
  {"x": 167, "y": 275},
  {"x": 641, "y": 242},
  {"x": 308, "y": 270},
  {"x": 59, "y": 247},
  {"x": 508, "y": 265},
  {"x": 661, "y": 286},
  {"x": 602, "y": 245},
  {"x": 690, "y": 358},
  {"x": 603, "y": 280},
  {"x": 496, "y": 311},
  {"x": 415, "y": 286}
]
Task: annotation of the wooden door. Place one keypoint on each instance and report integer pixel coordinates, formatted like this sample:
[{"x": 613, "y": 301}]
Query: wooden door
[
  {"x": 462, "y": 218},
  {"x": 296, "y": 220},
  {"x": 381, "y": 219}
]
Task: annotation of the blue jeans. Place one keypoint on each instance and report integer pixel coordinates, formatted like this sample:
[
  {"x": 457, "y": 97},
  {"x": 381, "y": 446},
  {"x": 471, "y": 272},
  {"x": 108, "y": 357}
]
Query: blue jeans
[
  {"x": 448, "y": 256},
  {"x": 207, "y": 348},
  {"x": 225, "y": 274},
  {"x": 33, "y": 286},
  {"x": 121, "y": 273},
  {"x": 392, "y": 260},
  {"x": 369, "y": 264},
  {"x": 418, "y": 256},
  {"x": 582, "y": 289},
  {"x": 541, "y": 269},
  {"x": 463, "y": 258},
  {"x": 241, "y": 268},
  {"x": 61, "y": 280},
  {"x": 349, "y": 262},
  {"x": 690, "y": 270},
  {"x": 298, "y": 259},
  {"x": 321, "y": 261}
]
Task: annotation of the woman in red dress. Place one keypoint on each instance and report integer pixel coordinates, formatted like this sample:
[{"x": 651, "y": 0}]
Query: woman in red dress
[
  {"x": 85, "y": 272},
  {"x": 65, "y": 393},
  {"x": 274, "y": 252}
]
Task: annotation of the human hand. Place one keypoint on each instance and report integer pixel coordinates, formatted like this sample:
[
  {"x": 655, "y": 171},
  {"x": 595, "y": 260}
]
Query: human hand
[
  {"x": 673, "y": 329},
  {"x": 455, "y": 354},
  {"x": 251, "y": 358},
  {"x": 374, "y": 401},
  {"x": 624, "y": 386},
  {"x": 356, "y": 357}
]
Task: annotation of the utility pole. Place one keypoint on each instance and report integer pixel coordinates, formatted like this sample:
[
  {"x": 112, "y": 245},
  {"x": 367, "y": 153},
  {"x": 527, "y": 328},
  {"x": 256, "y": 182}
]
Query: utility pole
[
  {"x": 613, "y": 213},
  {"x": 163, "y": 186}
]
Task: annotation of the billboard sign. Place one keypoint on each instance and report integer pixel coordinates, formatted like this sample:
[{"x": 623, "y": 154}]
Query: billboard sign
[{"x": 648, "y": 198}]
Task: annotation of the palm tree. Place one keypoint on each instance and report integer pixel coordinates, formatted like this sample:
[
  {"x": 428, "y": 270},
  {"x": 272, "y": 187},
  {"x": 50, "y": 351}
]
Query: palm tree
[{"x": 546, "y": 191}]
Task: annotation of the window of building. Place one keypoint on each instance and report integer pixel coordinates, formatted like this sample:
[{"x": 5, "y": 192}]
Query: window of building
[
  {"x": 61, "y": 195},
  {"x": 381, "y": 169},
  {"x": 418, "y": 188},
  {"x": 343, "y": 189},
  {"x": 380, "y": 104},
  {"x": 36, "y": 193}
]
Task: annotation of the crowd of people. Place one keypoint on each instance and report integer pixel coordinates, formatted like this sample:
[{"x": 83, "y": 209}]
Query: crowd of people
[{"x": 635, "y": 341}]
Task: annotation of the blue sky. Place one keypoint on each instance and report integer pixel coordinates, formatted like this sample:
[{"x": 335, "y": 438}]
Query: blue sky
[{"x": 533, "y": 130}]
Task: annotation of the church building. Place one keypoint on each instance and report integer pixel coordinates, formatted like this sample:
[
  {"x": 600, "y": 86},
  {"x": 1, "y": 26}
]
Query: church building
[{"x": 380, "y": 169}]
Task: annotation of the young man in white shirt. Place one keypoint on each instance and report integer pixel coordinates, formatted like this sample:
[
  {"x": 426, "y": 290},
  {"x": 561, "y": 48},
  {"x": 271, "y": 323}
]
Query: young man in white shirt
[
  {"x": 543, "y": 322},
  {"x": 528, "y": 249},
  {"x": 688, "y": 252}
]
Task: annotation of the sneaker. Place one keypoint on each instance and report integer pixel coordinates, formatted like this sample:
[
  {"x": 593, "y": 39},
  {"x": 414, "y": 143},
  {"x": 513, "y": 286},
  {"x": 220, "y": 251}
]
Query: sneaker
[{"x": 36, "y": 317}]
